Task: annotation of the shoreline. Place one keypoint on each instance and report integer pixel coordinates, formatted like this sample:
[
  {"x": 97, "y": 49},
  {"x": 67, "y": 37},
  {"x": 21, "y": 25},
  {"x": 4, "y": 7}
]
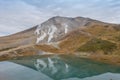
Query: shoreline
[{"x": 108, "y": 59}]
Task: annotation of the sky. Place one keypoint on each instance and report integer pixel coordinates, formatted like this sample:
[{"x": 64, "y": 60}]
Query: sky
[{"x": 18, "y": 15}]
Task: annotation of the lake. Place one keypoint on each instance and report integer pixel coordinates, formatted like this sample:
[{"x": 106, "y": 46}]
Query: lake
[{"x": 57, "y": 67}]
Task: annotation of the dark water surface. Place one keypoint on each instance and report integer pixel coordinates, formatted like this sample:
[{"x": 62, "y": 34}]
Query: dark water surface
[{"x": 57, "y": 67}]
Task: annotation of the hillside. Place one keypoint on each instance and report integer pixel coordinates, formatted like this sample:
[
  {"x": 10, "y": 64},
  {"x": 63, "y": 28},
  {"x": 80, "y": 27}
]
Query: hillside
[{"x": 63, "y": 35}]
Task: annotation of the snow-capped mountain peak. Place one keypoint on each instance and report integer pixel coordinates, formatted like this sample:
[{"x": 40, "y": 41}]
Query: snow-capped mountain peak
[{"x": 57, "y": 27}]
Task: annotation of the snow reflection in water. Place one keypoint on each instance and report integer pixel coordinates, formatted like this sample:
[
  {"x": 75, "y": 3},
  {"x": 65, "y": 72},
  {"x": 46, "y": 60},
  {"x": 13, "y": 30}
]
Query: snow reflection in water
[{"x": 65, "y": 67}]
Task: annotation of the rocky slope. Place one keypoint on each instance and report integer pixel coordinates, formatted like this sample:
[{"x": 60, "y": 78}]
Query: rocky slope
[
  {"x": 57, "y": 27},
  {"x": 79, "y": 35}
]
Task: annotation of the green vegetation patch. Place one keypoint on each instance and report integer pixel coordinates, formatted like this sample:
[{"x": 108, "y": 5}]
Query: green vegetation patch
[{"x": 96, "y": 45}]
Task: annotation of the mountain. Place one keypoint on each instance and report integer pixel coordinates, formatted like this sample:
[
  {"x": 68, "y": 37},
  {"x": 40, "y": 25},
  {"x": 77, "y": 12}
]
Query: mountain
[
  {"x": 64, "y": 35},
  {"x": 57, "y": 27}
]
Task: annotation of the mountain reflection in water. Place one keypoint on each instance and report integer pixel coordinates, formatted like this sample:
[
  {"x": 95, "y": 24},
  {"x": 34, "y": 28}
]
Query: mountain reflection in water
[{"x": 68, "y": 67}]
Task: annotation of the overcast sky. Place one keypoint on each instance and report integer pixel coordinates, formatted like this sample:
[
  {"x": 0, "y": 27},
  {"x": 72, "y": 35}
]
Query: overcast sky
[{"x": 18, "y": 15}]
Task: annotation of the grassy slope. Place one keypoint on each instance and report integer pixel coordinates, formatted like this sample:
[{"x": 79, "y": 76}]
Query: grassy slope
[
  {"x": 95, "y": 45},
  {"x": 102, "y": 37}
]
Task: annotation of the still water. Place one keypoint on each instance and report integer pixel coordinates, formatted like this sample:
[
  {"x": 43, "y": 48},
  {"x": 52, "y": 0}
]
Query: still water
[{"x": 57, "y": 67}]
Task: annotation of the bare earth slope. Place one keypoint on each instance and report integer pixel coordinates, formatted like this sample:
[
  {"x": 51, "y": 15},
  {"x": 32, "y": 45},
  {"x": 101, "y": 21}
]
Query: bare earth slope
[{"x": 19, "y": 39}]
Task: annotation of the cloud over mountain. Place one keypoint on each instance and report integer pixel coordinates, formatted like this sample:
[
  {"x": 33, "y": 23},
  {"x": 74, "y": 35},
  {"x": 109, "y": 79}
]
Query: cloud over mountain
[{"x": 17, "y": 15}]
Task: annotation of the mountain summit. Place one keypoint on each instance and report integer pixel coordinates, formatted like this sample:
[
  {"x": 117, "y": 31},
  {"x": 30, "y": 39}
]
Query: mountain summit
[{"x": 57, "y": 27}]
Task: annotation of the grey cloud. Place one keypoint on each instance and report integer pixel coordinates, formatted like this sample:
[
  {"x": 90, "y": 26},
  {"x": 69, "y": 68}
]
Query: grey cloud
[{"x": 18, "y": 15}]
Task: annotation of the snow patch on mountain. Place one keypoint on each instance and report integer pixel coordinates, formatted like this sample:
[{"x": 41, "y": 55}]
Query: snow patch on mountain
[
  {"x": 41, "y": 37},
  {"x": 37, "y": 31},
  {"x": 66, "y": 28},
  {"x": 43, "y": 32},
  {"x": 51, "y": 32}
]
